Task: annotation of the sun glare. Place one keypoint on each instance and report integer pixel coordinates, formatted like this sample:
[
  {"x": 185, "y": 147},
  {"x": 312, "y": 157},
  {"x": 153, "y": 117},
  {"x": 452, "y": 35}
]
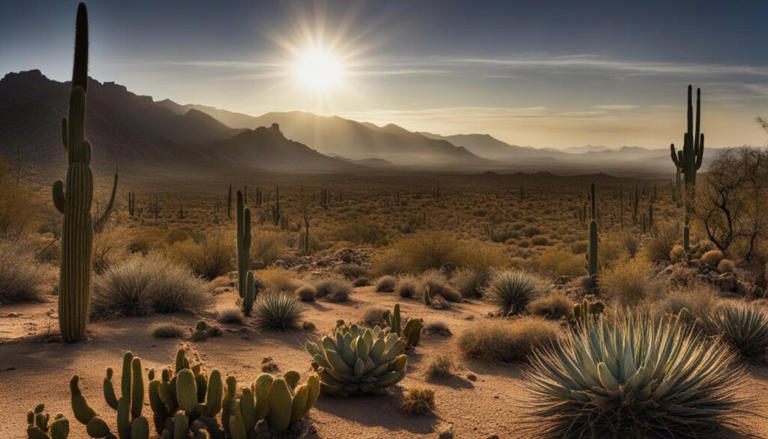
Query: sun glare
[{"x": 317, "y": 70}]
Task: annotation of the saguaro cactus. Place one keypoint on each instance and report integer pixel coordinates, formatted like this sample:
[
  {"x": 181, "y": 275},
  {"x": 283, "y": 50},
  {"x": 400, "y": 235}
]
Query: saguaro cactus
[
  {"x": 229, "y": 202},
  {"x": 75, "y": 199},
  {"x": 276, "y": 207},
  {"x": 689, "y": 160},
  {"x": 592, "y": 251},
  {"x": 243, "y": 244}
]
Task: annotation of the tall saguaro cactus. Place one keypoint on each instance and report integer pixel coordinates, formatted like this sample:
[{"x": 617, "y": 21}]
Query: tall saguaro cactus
[
  {"x": 74, "y": 200},
  {"x": 243, "y": 244},
  {"x": 689, "y": 160}
]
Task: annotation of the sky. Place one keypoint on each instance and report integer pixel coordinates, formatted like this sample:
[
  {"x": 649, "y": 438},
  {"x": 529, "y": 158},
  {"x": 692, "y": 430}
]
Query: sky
[{"x": 540, "y": 73}]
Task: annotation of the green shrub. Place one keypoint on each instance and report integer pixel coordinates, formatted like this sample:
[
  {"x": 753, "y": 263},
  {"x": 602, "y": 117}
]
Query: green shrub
[
  {"x": 634, "y": 377},
  {"x": 512, "y": 291}
]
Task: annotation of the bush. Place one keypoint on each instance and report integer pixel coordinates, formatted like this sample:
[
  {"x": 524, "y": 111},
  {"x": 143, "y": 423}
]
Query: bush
[
  {"x": 505, "y": 340},
  {"x": 629, "y": 282},
  {"x": 440, "y": 367},
  {"x": 269, "y": 246},
  {"x": 210, "y": 259},
  {"x": 726, "y": 266},
  {"x": 553, "y": 306},
  {"x": 386, "y": 284},
  {"x": 434, "y": 283},
  {"x": 469, "y": 282},
  {"x": 21, "y": 276},
  {"x": 648, "y": 377},
  {"x": 374, "y": 315},
  {"x": 712, "y": 257},
  {"x": 743, "y": 326},
  {"x": 511, "y": 291},
  {"x": 230, "y": 316},
  {"x": 18, "y": 212},
  {"x": 556, "y": 262},
  {"x": 406, "y": 287},
  {"x": 276, "y": 278},
  {"x": 362, "y": 233},
  {"x": 360, "y": 282},
  {"x": 306, "y": 293},
  {"x": 333, "y": 289},
  {"x": 677, "y": 254},
  {"x": 699, "y": 300},
  {"x": 109, "y": 248},
  {"x": 351, "y": 271},
  {"x": 662, "y": 241},
  {"x": 276, "y": 310},
  {"x": 168, "y": 330},
  {"x": 418, "y": 400},
  {"x": 145, "y": 285}
]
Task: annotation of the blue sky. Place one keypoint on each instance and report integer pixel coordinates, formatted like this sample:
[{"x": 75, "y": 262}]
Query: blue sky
[{"x": 542, "y": 73}]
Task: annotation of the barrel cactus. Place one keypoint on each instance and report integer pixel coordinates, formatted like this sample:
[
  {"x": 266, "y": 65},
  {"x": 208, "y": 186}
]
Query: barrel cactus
[
  {"x": 355, "y": 360},
  {"x": 40, "y": 427},
  {"x": 130, "y": 422},
  {"x": 188, "y": 391},
  {"x": 633, "y": 376}
]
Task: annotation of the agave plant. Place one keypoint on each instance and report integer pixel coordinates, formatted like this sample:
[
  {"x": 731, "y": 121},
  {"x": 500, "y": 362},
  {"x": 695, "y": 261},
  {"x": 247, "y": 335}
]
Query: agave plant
[
  {"x": 633, "y": 376},
  {"x": 354, "y": 360},
  {"x": 511, "y": 291},
  {"x": 276, "y": 310},
  {"x": 741, "y": 325}
]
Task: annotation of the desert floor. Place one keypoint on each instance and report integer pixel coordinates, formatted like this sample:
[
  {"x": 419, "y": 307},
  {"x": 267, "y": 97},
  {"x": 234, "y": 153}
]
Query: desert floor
[{"x": 482, "y": 400}]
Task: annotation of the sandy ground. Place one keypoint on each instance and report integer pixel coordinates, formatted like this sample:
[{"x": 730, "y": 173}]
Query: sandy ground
[{"x": 33, "y": 370}]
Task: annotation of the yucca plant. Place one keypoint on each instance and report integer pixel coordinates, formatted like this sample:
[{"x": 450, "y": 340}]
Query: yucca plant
[
  {"x": 634, "y": 376},
  {"x": 511, "y": 291},
  {"x": 276, "y": 310},
  {"x": 742, "y": 325}
]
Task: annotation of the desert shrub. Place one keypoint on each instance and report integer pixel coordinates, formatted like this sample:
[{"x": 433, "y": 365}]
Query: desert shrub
[
  {"x": 276, "y": 278},
  {"x": 698, "y": 300},
  {"x": 231, "y": 316},
  {"x": 145, "y": 240},
  {"x": 470, "y": 282},
  {"x": 373, "y": 315},
  {"x": 209, "y": 259},
  {"x": 333, "y": 289},
  {"x": 418, "y": 400},
  {"x": 178, "y": 234},
  {"x": 553, "y": 306},
  {"x": 440, "y": 367},
  {"x": 168, "y": 330},
  {"x": 433, "y": 249},
  {"x": 505, "y": 340},
  {"x": 677, "y": 254},
  {"x": 386, "y": 284},
  {"x": 611, "y": 251},
  {"x": 511, "y": 291},
  {"x": 306, "y": 293},
  {"x": 407, "y": 287},
  {"x": 434, "y": 283},
  {"x": 743, "y": 326},
  {"x": 437, "y": 327},
  {"x": 627, "y": 378},
  {"x": 726, "y": 266},
  {"x": 351, "y": 271},
  {"x": 362, "y": 233},
  {"x": 276, "y": 310},
  {"x": 712, "y": 257},
  {"x": 18, "y": 212},
  {"x": 540, "y": 240},
  {"x": 144, "y": 285},
  {"x": 630, "y": 242},
  {"x": 109, "y": 247},
  {"x": 629, "y": 282},
  {"x": 268, "y": 246},
  {"x": 21, "y": 276},
  {"x": 663, "y": 239},
  {"x": 557, "y": 262},
  {"x": 360, "y": 282}
]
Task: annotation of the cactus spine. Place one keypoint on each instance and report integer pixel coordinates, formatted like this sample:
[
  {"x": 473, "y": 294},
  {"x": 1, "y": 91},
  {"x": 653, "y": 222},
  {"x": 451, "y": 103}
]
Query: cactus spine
[
  {"x": 592, "y": 264},
  {"x": 243, "y": 244},
  {"x": 74, "y": 199},
  {"x": 689, "y": 160}
]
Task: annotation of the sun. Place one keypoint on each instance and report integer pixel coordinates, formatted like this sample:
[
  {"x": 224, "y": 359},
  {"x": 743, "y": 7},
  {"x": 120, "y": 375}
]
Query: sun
[{"x": 318, "y": 70}]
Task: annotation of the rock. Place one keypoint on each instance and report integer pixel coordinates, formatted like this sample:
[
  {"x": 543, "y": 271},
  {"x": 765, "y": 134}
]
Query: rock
[
  {"x": 447, "y": 433},
  {"x": 199, "y": 335},
  {"x": 471, "y": 377},
  {"x": 280, "y": 263},
  {"x": 214, "y": 331}
]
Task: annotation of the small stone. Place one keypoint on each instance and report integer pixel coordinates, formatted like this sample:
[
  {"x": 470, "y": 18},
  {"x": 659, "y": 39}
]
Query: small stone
[
  {"x": 308, "y": 326},
  {"x": 471, "y": 377},
  {"x": 447, "y": 433},
  {"x": 13, "y": 314}
]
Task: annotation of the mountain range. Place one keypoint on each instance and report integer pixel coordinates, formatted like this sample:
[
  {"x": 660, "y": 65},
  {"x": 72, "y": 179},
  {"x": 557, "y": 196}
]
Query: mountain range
[{"x": 163, "y": 136}]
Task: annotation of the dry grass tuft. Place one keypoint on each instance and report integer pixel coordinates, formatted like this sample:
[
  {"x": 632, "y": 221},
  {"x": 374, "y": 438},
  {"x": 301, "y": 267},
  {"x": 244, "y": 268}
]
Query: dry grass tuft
[
  {"x": 418, "y": 401},
  {"x": 507, "y": 340},
  {"x": 440, "y": 367}
]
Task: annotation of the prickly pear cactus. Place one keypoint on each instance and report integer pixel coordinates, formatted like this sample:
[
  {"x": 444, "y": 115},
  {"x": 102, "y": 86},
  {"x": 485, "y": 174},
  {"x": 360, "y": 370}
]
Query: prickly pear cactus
[
  {"x": 130, "y": 423},
  {"x": 354, "y": 360},
  {"x": 38, "y": 426}
]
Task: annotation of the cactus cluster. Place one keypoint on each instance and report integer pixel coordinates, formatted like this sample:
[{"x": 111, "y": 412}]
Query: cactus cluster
[
  {"x": 587, "y": 312},
  {"x": 74, "y": 199},
  {"x": 130, "y": 423},
  {"x": 39, "y": 425},
  {"x": 410, "y": 332},
  {"x": 354, "y": 360}
]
